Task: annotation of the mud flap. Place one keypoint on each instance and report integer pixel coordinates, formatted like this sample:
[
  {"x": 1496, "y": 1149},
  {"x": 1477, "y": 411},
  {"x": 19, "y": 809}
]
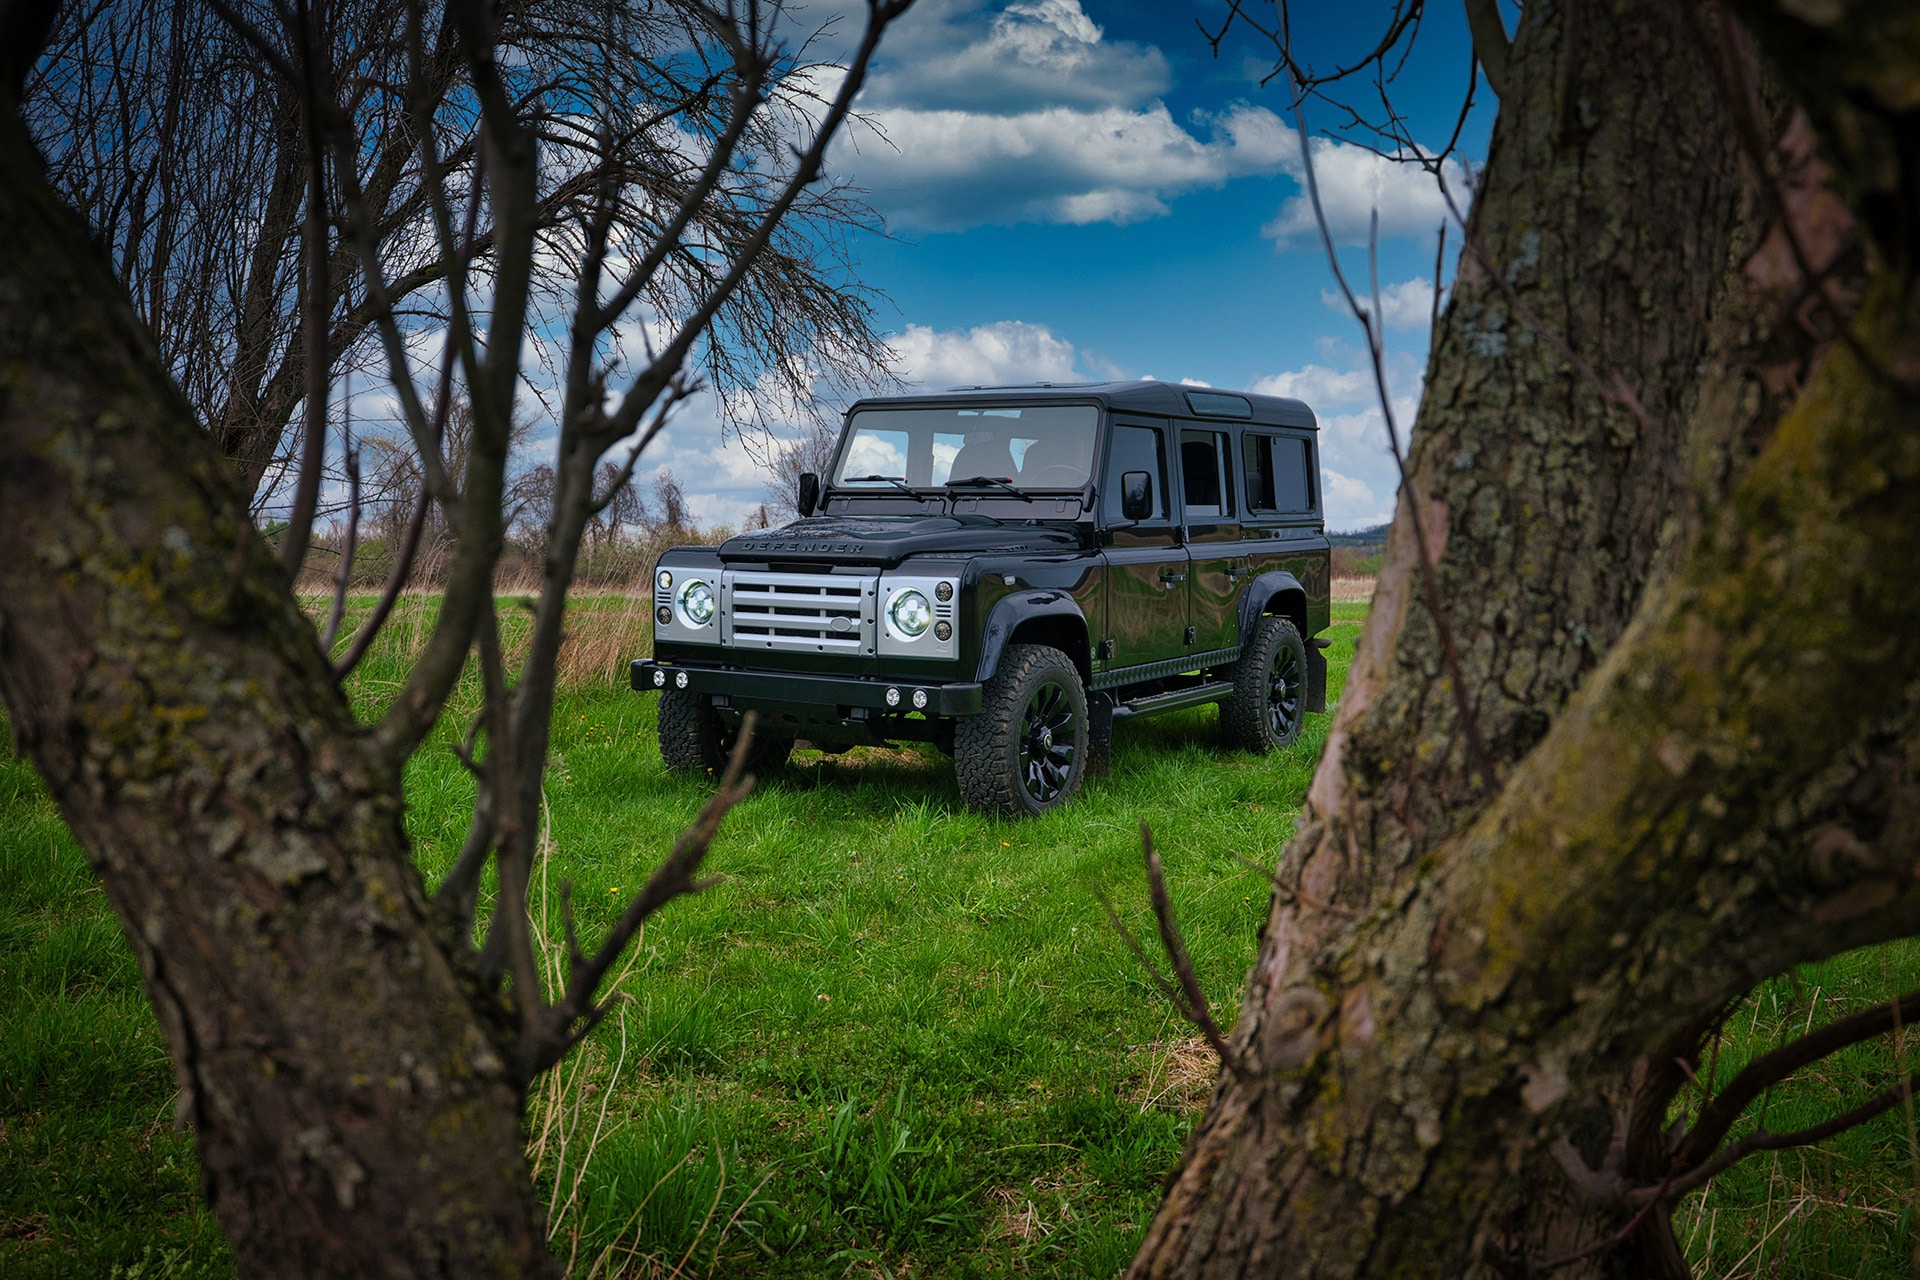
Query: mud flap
[
  {"x": 1100, "y": 734},
  {"x": 1317, "y": 673}
]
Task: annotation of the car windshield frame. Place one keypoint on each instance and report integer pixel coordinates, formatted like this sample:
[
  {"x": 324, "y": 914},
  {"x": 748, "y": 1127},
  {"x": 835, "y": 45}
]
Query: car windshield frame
[{"x": 934, "y": 450}]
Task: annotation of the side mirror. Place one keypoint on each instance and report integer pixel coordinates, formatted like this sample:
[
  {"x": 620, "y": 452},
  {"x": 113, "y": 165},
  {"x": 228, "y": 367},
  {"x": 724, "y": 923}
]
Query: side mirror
[
  {"x": 1136, "y": 495},
  {"x": 809, "y": 492}
]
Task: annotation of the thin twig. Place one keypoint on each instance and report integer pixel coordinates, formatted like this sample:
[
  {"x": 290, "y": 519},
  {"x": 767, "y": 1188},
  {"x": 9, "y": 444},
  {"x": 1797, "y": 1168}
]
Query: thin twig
[
  {"x": 1293, "y": 891},
  {"x": 1176, "y": 947},
  {"x": 1186, "y": 998}
]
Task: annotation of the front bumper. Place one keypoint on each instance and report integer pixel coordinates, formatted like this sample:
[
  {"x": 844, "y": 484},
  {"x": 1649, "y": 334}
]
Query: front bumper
[{"x": 768, "y": 688}]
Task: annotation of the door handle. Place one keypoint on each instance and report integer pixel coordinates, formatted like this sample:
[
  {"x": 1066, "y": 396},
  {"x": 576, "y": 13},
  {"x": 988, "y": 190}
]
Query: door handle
[{"x": 1173, "y": 579}]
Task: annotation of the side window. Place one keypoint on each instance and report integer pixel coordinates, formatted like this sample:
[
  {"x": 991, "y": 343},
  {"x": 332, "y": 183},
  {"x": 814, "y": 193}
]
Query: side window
[
  {"x": 1292, "y": 481},
  {"x": 1279, "y": 477},
  {"x": 1202, "y": 478},
  {"x": 1135, "y": 449},
  {"x": 1258, "y": 451}
]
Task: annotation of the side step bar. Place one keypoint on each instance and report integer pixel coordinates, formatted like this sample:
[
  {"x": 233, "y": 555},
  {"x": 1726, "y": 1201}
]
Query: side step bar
[{"x": 1178, "y": 700}]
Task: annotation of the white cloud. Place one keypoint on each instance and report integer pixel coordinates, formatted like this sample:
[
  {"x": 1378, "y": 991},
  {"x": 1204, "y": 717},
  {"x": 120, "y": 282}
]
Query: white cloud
[
  {"x": 1354, "y": 182},
  {"x": 1007, "y": 351},
  {"x": 1317, "y": 385},
  {"x": 1407, "y": 305},
  {"x": 948, "y": 169},
  {"x": 1345, "y": 491},
  {"x": 950, "y": 54},
  {"x": 1006, "y": 111}
]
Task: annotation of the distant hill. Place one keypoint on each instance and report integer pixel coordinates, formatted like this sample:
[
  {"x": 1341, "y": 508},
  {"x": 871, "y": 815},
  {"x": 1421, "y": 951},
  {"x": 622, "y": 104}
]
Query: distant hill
[
  {"x": 1357, "y": 554},
  {"x": 1376, "y": 537}
]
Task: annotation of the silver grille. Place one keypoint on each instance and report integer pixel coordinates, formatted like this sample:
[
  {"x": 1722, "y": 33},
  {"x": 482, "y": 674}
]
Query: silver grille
[{"x": 808, "y": 612}]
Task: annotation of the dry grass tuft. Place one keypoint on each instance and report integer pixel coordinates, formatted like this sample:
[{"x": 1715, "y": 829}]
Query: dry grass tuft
[
  {"x": 1353, "y": 590},
  {"x": 1177, "y": 1074}
]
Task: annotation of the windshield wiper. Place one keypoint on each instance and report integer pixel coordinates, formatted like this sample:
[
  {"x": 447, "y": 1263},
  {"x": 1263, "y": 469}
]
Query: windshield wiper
[
  {"x": 1015, "y": 490},
  {"x": 898, "y": 482}
]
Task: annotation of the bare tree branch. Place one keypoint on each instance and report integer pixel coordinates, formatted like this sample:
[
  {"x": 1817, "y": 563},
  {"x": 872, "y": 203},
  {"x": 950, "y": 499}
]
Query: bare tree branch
[
  {"x": 1490, "y": 42},
  {"x": 345, "y": 579},
  {"x": 1720, "y": 1114}
]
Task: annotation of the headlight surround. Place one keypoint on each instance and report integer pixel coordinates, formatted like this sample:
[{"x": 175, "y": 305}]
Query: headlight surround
[
  {"x": 697, "y": 601},
  {"x": 910, "y": 612}
]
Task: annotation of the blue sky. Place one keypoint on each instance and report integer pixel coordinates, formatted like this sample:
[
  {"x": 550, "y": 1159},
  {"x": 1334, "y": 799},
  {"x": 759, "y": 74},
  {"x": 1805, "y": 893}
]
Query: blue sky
[{"x": 1079, "y": 189}]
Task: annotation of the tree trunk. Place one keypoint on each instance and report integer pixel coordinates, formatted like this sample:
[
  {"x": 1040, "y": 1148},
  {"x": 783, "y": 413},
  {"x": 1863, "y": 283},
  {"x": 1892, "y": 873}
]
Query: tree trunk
[
  {"x": 353, "y": 1110},
  {"x": 1691, "y": 655}
]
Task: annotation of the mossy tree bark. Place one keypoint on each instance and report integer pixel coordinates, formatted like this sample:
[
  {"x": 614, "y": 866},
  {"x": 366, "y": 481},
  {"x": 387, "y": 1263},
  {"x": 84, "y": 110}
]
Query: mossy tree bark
[
  {"x": 1678, "y": 590},
  {"x": 354, "y": 1107}
]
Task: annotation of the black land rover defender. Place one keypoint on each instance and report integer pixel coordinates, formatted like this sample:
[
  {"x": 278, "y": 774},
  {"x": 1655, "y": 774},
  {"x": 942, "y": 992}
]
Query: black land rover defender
[{"x": 1004, "y": 571}]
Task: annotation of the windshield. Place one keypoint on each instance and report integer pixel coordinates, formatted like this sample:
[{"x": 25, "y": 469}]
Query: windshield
[{"x": 1032, "y": 447}]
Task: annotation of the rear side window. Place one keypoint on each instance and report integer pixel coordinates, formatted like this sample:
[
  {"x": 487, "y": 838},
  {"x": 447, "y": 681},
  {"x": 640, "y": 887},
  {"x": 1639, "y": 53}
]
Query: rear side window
[{"x": 1279, "y": 477}]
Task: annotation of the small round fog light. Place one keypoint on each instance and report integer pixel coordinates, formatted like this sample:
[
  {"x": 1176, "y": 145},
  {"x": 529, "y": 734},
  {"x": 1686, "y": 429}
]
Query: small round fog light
[
  {"x": 663, "y": 615},
  {"x": 920, "y": 699},
  {"x": 943, "y": 631},
  {"x": 680, "y": 680},
  {"x": 659, "y": 679},
  {"x": 665, "y": 580},
  {"x": 893, "y": 697},
  {"x": 944, "y": 591}
]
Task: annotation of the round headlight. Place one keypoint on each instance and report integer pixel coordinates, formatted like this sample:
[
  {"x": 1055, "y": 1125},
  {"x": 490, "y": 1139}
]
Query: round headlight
[
  {"x": 665, "y": 579},
  {"x": 696, "y": 602},
  {"x": 911, "y": 613}
]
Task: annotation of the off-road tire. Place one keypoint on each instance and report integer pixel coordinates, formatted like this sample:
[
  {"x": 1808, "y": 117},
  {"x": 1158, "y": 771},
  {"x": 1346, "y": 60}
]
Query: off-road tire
[
  {"x": 1269, "y": 678},
  {"x": 692, "y": 739},
  {"x": 1036, "y": 687}
]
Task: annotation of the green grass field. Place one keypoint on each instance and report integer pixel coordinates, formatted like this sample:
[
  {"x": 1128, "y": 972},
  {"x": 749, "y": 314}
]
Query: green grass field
[{"x": 896, "y": 1040}]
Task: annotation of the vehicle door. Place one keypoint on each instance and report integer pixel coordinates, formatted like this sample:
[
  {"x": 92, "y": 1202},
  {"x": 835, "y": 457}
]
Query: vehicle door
[
  {"x": 1283, "y": 519},
  {"x": 1214, "y": 554},
  {"x": 1146, "y": 566}
]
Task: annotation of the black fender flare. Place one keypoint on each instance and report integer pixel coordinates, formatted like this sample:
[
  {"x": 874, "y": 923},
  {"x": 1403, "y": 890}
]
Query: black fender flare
[
  {"x": 1260, "y": 593},
  {"x": 1011, "y": 612}
]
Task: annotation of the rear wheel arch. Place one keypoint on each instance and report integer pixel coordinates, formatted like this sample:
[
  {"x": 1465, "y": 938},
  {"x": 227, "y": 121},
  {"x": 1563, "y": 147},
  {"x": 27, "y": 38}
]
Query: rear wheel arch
[{"x": 1277, "y": 594}]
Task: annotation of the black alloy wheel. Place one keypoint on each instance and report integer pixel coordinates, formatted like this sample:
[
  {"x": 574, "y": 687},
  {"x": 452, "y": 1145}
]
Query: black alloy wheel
[
  {"x": 1025, "y": 751},
  {"x": 1048, "y": 733},
  {"x": 1286, "y": 692},
  {"x": 1268, "y": 705}
]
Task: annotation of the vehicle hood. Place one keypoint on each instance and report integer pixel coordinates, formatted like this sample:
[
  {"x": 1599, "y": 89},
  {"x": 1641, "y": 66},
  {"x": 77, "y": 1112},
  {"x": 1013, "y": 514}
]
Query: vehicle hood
[{"x": 884, "y": 541}]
